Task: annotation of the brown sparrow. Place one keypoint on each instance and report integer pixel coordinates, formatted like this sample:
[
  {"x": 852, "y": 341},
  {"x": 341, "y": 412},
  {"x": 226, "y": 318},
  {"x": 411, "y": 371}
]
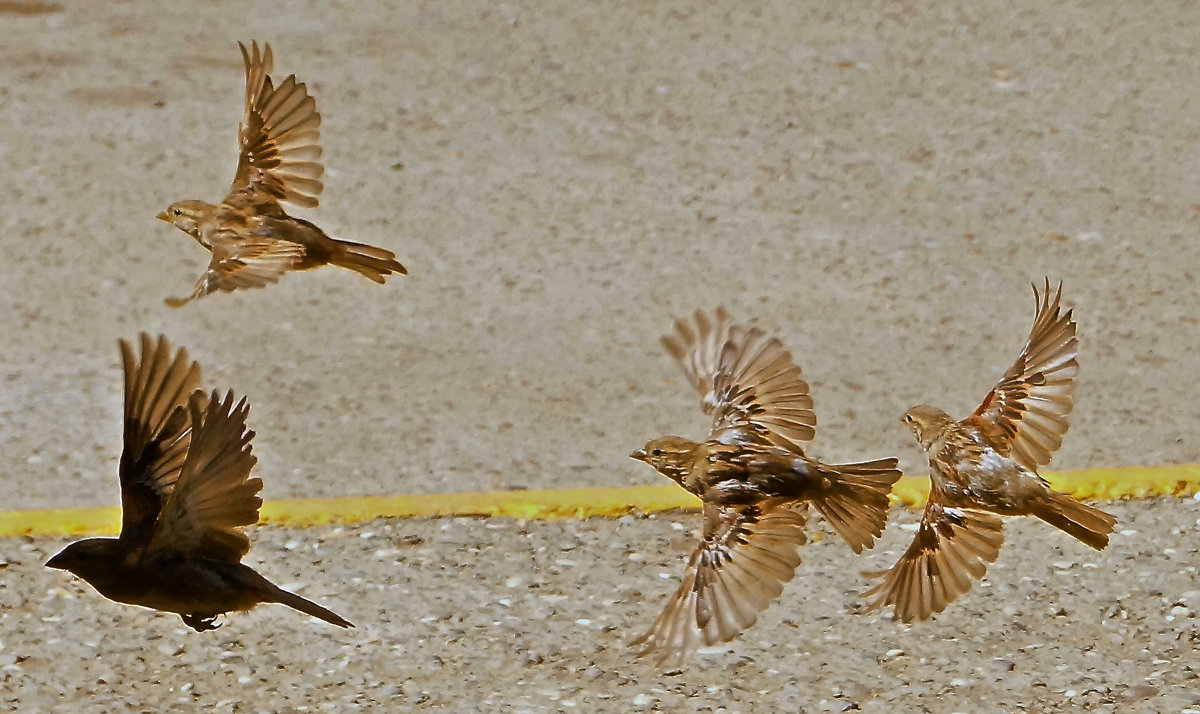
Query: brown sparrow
[
  {"x": 755, "y": 481},
  {"x": 186, "y": 494},
  {"x": 986, "y": 466},
  {"x": 252, "y": 240}
]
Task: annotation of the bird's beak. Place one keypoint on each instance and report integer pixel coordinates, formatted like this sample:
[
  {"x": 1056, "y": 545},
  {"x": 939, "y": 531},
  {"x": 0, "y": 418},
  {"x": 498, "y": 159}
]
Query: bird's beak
[
  {"x": 164, "y": 216},
  {"x": 56, "y": 562},
  {"x": 640, "y": 455}
]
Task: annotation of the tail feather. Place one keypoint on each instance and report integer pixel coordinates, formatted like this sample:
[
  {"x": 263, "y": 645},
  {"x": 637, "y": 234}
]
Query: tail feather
[
  {"x": 308, "y": 607},
  {"x": 1079, "y": 520},
  {"x": 371, "y": 262},
  {"x": 855, "y": 503}
]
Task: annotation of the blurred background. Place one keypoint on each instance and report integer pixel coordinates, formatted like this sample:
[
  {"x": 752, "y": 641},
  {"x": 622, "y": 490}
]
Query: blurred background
[{"x": 875, "y": 183}]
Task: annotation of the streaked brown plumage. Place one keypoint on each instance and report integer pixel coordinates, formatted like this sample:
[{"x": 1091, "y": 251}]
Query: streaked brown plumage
[
  {"x": 186, "y": 495},
  {"x": 252, "y": 240},
  {"x": 755, "y": 482},
  {"x": 985, "y": 466}
]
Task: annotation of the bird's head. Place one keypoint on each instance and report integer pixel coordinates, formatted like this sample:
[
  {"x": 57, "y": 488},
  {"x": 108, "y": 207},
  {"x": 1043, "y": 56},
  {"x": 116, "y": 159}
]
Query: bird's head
[
  {"x": 926, "y": 423},
  {"x": 91, "y": 559},
  {"x": 669, "y": 455},
  {"x": 186, "y": 215}
]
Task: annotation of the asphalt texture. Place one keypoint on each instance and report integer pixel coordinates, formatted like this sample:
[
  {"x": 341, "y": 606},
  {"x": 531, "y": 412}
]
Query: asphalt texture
[
  {"x": 876, "y": 183},
  {"x": 505, "y": 615}
]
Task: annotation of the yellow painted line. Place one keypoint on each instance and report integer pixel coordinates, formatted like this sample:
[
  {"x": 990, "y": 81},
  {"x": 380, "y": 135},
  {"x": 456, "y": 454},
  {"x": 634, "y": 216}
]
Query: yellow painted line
[{"x": 1107, "y": 484}]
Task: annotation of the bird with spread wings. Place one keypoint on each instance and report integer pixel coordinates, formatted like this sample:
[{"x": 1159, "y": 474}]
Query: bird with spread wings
[
  {"x": 985, "y": 466},
  {"x": 186, "y": 495},
  {"x": 755, "y": 482},
  {"x": 252, "y": 240}
]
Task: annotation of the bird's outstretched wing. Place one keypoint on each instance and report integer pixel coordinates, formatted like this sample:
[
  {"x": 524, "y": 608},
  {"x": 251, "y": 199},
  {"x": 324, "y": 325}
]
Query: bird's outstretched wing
[
  {"x": 697, "y": 350},
  {"x": 747, "y": 381},
  {"x": 1025, "y": 415},
  {"x": 243, "y": 263},
  {"x": 277, "y": 139},
  {"x": 157, "y": 431},
  {"x": 952, "y": 548},
  {"x": 747, "y": 554},
  {"x": 214, "y": 497}
]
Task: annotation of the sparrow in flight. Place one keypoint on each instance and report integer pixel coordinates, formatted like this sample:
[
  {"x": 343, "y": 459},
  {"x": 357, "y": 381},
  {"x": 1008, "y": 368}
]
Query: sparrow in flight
[
  {"x": 186, "y": 494},
  {"x": 755, "y": 482},
  {"x": 985, "y": 466},
  {"x": 252, "y": 240}
]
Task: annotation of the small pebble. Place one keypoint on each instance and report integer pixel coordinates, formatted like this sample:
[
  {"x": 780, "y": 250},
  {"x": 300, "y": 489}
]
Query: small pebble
[{"x": 1140, "y": 691}]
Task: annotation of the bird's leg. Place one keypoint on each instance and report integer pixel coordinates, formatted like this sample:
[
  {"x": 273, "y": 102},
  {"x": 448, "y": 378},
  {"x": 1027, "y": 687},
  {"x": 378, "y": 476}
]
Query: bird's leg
[{"x": 200, "y": 623}]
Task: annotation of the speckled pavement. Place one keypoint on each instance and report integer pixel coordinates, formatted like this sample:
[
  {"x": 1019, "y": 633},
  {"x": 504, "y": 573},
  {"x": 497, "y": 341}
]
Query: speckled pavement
[
  {"x": 878, "y": 183},
  {"x": 504, "y": 615}
]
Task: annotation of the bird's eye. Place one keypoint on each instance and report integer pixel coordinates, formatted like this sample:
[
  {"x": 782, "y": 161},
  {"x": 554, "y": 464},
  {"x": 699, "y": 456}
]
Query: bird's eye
[
  {"x": 178, "y": 212},
  {"x": 656, "y": 452}
]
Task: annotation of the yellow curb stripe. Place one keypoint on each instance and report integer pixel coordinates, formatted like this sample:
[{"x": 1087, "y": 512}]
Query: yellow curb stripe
[{"x": 1107, "y": 484}]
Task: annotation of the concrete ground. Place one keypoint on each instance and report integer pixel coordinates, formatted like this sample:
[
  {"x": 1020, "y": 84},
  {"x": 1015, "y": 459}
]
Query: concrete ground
[
  {"x": 877, "y": 183},
  {"x": 513, "y": 616}
]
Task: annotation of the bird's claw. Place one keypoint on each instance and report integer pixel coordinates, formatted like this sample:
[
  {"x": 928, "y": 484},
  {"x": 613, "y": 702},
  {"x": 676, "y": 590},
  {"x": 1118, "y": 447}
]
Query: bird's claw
[{"x": 201, "y": 623}]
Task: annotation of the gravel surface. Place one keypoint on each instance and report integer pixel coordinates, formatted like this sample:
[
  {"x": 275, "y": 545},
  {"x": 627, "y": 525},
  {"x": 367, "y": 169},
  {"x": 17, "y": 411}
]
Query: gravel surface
[
  {"x": 502, "y": 615},
  {"x": 877, "y": 182}
]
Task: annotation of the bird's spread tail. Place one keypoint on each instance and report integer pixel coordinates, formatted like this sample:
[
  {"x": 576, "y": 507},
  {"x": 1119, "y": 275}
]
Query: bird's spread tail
[
  {"x": 373, "y": 263},
  {"x": 855, "y": 503},
  {"x": 1090, "y": 525},
  {"x": 308, "y": 607}
]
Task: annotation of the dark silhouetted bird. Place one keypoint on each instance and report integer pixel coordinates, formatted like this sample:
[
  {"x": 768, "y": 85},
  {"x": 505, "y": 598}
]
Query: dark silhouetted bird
[{"x": 186, "y": 495}]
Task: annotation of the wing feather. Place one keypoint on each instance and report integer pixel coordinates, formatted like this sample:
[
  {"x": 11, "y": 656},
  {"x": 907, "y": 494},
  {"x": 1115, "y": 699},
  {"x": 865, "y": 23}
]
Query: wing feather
[
  {"x": 244, "y": 263},
  {"x": 952, "y": 547},
  {"x": 738, "y": 569},
  {"x": 157, "y": 432},
  {"x": 1025, "y": 415},
  {"x": 697, "y": 350},
  {"x": 214, "y": 497},
  {"x": 748, "y": 382},
  {"x": 278, "y": 159}
]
